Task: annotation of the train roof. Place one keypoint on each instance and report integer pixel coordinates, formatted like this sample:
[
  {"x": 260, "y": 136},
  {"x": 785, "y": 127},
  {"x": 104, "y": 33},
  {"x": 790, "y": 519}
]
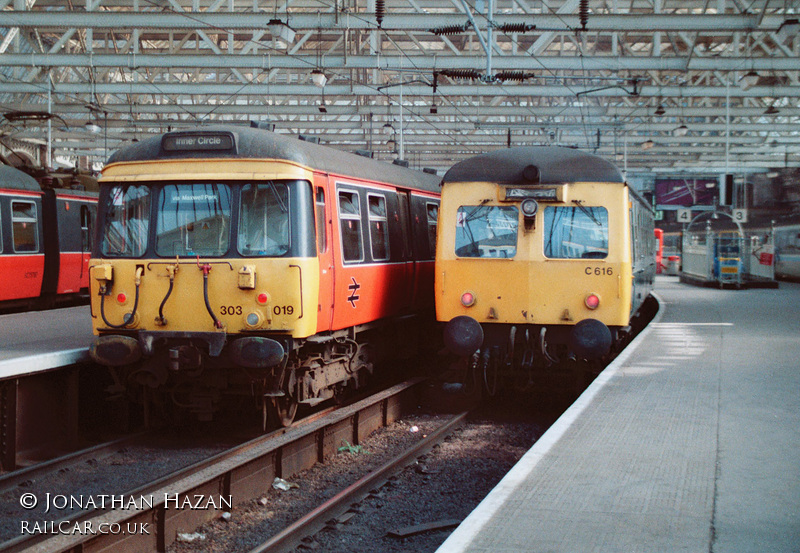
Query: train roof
[
  {"x": 255, "y": 143},
  {"x": 554, "y": 164},
  {"x": 15, "y": 179}
]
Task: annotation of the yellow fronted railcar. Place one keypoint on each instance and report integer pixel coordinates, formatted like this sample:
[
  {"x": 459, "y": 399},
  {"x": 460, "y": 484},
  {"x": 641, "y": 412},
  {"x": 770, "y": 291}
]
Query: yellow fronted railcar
[
  {"x": 543, "y": 253},
  {"x": 236, "y": 266}
]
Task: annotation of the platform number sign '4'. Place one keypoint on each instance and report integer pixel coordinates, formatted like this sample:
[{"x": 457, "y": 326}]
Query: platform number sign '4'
[{"x": 684, "y": 215}]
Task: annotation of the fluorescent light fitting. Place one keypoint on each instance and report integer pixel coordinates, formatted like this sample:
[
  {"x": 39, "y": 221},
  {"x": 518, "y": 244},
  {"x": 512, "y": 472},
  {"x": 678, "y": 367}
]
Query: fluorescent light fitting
[
  {"x": 648, "y": 144},
  {"x": 683, "y": 130},
  {"x": 771, "y": 110},
  {"x": 660, "y": 110},
  {"x": 93, "y": 128}
]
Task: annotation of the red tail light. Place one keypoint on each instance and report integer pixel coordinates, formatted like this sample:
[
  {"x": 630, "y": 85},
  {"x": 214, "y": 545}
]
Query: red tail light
[
  {"x": 592, "y": 301},
  {"x": 467, "y": 299},
  {"x": 121, "y": 297}
]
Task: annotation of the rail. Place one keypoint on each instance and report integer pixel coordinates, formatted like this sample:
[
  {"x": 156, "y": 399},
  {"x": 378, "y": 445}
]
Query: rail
[{"x": 240, "y": 474}]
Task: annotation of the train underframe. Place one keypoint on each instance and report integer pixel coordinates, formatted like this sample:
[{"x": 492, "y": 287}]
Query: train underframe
[
  {"x": 179, "y": 375},
  {"x": 514, "y": 356}
]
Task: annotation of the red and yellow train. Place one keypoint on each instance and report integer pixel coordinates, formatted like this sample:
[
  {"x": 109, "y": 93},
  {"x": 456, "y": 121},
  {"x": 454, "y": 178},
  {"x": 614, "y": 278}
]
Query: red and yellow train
[{"x": 234, "y": 264}]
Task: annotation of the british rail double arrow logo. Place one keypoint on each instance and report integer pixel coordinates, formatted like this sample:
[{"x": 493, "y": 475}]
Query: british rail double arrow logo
[{"x": 354, "y": 287}]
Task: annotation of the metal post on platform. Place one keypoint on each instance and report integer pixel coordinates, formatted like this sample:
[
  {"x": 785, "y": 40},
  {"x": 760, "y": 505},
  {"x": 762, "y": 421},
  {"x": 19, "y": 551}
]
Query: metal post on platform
[{"x": 710, "y": 248}]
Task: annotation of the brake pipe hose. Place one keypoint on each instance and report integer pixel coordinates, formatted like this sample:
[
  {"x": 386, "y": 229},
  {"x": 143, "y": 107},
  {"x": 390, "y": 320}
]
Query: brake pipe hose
[
  {"x": 206, "y": 268},
  {"x": 172, "y": 269}
]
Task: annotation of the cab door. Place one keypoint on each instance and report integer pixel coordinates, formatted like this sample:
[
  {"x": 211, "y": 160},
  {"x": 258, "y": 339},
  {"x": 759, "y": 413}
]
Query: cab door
[{"x": 323, "y": 221}]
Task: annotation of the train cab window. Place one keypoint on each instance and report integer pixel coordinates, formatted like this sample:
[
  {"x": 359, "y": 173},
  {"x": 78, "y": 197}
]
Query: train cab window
[
  {"x": 24, "y": 227},
  {"x": 127, "y": 221},
  {"x": 350, "y": 216},
  {"x": 264, "y": 220},
  {"x": 487, "y": 231},
  {"x": 193, "y": 219},
  {"x": 378, "y": 231},
  {"x": 433, "y": 221},
  {"x": 322, "y": 237},
  {"x": 576, "y": 232}
]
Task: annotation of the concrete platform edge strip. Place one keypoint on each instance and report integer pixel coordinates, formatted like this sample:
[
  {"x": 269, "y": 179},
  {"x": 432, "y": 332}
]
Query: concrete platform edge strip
[{"x": 24, "y": 366}]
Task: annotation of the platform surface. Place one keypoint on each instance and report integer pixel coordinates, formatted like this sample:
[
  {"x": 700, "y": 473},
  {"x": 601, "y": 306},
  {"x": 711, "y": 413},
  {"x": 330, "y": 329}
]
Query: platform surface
[
  {"x": 42, "y": 340},
  {"x": 688, "y": 442}
]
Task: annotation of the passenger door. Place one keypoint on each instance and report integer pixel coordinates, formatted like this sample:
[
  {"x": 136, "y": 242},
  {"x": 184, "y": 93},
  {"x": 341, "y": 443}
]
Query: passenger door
[{"x": 323, "y": 204}]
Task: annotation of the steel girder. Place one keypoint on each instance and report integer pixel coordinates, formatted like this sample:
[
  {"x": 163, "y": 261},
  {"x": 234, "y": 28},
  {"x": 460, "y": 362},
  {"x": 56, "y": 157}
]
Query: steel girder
[{"x": 451, "y": 78}]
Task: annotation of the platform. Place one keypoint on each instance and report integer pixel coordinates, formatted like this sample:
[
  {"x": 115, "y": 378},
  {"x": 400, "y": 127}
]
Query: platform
[
  {"x": 688, "y": 442},
  {"x": 41, "y": 340}
]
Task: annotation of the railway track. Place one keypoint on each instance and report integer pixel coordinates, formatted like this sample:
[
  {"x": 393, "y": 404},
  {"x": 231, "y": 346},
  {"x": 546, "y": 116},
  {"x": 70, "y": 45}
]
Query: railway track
[
  {"x": 315, "y": 520},
  {"x": 19, "y": 477},
  {"x": 148, "y": 518}
]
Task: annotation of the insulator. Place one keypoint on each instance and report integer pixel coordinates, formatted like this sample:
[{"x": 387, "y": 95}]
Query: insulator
[
  {"x": 450, "y": 30},
  {"x": 380, "y": 10},
  {"x": 583, "y": 13},
  {"x": 513, "y": 76},
  {"x": 516, "y": 27},
  {"x": 461, "y": 73}
]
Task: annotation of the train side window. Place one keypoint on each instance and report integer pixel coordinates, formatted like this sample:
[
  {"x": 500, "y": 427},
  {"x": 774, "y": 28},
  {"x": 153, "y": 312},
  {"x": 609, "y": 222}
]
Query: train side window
[
  {"x": 576, "y": 232},
  {"x": 24, "y": 228},
  {"x": 322, "y": 237},
  {"x": 487, "y": 231},
  {"x": 433, "y": 221},
  {"x": 86, "y": 229},
  {"x": 378, "y": 231},
  {"x": 350, "y": 216}
]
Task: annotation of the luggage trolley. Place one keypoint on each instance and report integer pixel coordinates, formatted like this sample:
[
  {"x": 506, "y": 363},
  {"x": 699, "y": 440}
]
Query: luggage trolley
[
  {"x": 713, "y": 257},
  {"x": 727, "y": 265}
]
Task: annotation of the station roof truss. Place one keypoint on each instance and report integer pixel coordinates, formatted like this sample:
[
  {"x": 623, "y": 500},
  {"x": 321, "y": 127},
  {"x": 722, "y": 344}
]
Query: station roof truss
[{"x": 712, "y": 85}]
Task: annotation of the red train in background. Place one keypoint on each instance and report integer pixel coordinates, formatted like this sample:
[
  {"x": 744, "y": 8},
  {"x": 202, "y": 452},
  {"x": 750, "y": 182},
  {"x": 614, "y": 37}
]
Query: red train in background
[{"x": 46, "y": 233}]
